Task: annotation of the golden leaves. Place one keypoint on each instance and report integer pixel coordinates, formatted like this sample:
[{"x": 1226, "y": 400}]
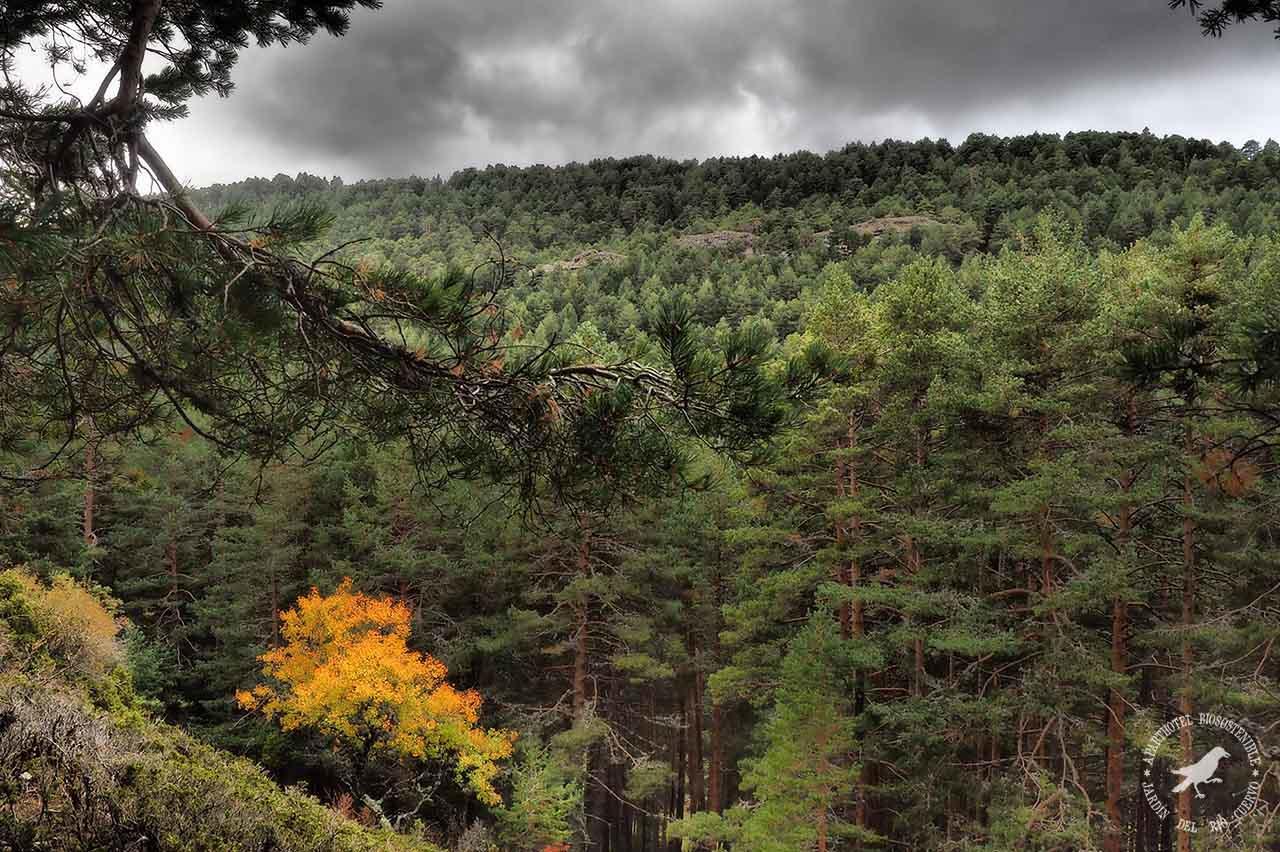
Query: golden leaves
[
  {"x": 74, "y": 623},
  {"x": 345, "y": 670}
]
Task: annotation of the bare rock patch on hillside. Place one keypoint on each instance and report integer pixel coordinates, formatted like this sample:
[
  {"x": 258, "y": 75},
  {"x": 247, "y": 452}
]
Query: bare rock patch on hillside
[
  {"x": 742, "y": 241},
  {"x": 897, "y": 224},
  {"x": 583, "y": 260}
]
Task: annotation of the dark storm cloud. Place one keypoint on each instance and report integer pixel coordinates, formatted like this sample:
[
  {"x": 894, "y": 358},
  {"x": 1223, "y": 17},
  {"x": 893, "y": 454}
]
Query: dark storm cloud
[{"x": 431, "y": 85}]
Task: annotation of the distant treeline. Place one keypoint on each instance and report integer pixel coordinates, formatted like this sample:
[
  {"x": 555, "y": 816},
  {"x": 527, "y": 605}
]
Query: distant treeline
[{"x": 1118, "y": 186}]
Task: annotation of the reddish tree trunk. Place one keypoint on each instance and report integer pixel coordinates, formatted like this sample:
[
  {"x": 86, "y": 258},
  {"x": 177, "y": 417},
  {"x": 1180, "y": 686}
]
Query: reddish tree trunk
[
  {"x": 677, "y": 784},
  {"x": 1188, "y": 654},
  {"x": 1113, "y": 840},
  {"x": 715, "y": 787},
  {"x": 857, "y": 630},
  {"x": 171, "y": 567},
  {"x": 915, "y": 562},
  {"x": 693, "y": 730},
  {"x": 842, "y": 537},
  {"x": 580, "y": 638},
  {"x": 172, "y": 613},
  {"x": 580, "y": 665}
]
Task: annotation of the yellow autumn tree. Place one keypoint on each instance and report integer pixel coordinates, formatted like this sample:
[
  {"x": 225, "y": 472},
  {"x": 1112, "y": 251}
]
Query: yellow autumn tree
[{"x": 345, "y": 671}]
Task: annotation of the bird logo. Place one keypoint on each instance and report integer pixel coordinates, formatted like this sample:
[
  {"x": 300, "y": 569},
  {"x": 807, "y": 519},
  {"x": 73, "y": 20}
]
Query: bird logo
[
  {"x": 1222, "y": 812},
  {"x": 1201, "y": 772}
]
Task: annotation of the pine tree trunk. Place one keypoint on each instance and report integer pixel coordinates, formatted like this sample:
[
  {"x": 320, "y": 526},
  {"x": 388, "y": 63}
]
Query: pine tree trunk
[
  {"x": 597, "y": 801},
  {"x": 715, "y": 796},
  {"x": 693, "y": 730},
  {"x": 617, "y": 812},
  {"x": 857, "y": 629},
  {"x": 716, "y": 767},
  {"x": 915, "y": 562},
  {"x": 594, "y": 805},
  {"x": 853, "y": 625},
  {"x": 171, "y": 568},
  {"x": 1188, "y": 621},
  {"x": 580, "y": 638},
  {"x": 844, "y": 482},
  {"x": 580, "y": 665},
  {"x": 1048, "y": 582},
  {"x": 172, "y": 612},
  {"x": 677, "y": 789},
  {"x": 1113, "y": 840}
]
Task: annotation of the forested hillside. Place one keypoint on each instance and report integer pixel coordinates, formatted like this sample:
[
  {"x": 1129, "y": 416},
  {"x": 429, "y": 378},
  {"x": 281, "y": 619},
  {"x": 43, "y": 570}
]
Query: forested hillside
[
  {"x": 1009, "y": 505},
  {"x": 748, "y": 237}
]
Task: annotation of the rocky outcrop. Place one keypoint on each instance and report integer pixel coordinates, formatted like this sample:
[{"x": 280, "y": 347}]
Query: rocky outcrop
[{"x": 582, "y": 260}]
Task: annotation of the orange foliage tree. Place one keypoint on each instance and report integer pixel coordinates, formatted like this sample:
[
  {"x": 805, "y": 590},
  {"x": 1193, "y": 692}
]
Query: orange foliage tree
[{"x": 345, "y": 670}]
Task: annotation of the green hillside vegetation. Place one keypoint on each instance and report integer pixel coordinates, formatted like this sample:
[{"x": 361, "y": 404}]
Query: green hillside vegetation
[{"x": 749, "y": 237}]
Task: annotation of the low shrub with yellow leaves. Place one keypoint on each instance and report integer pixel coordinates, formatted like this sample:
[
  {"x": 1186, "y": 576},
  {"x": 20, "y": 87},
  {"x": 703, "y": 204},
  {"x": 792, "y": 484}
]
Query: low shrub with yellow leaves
[{"x": 63, "y": 624}]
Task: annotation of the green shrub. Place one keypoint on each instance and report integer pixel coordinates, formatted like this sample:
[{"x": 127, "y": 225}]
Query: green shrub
[{"x": 545, "y": 797}]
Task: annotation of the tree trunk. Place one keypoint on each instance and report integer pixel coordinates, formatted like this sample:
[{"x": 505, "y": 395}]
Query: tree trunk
[
  {"x": 915, "y": 562},
  {"x": 596, "y": 800},
  {"x": 171, "y": 568},
  {"x": 1113, "y": 839},
  {"x": 1188, "y": 620},
  {"x": 580, "y": 638},
  {"x": 580, "y": 666},
  {"x": 715, "y": 796},
  {"x": 677, "y": 784},
  {"x": 693, "y": 730},
  {"x": 171, "y": 615},
  {"x": 852, "y": 619},
  {"x": 844, "y": 479},
  {"x": 697, "y": 792},
  {"x": 856, "y": 628},
  {"x": 616, "y": 812}
]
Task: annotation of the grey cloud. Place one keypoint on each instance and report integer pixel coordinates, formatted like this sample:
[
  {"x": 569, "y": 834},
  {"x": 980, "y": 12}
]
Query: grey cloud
[{"x": 431, "y": 85}]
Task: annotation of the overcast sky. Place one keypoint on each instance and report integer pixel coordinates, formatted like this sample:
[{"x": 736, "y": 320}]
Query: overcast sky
[{"x": 430, "y": 86}]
